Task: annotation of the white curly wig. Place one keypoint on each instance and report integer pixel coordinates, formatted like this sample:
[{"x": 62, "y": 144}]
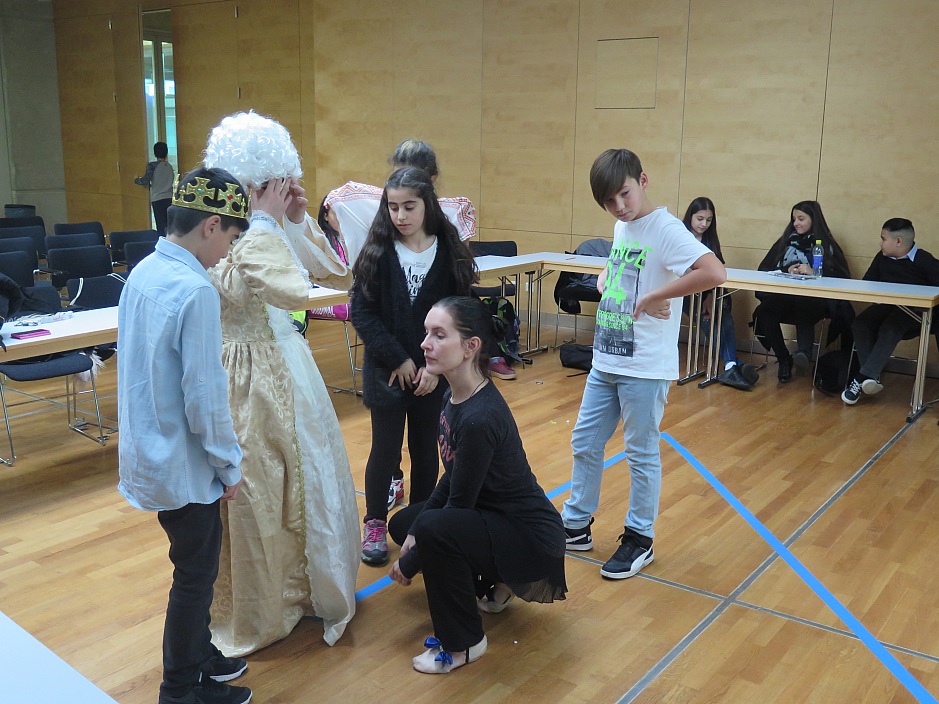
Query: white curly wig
[{"x": 253, "y": 149}]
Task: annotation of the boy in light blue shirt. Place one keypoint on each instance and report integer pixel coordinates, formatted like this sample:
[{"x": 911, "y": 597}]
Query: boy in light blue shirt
[{"x": 177, "y": 452}]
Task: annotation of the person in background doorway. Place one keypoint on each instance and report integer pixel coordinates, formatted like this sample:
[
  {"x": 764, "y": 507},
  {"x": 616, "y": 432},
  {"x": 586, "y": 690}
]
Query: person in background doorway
[{"x": 159, "y": 179}]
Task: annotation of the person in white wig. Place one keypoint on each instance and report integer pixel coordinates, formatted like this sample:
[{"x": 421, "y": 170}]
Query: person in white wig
[{"x": 290, "y": 546}]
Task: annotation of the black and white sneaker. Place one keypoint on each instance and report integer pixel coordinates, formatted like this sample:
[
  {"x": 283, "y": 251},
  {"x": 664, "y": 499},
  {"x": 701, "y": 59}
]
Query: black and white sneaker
[
  {"x": 222, "y": 669},
  {"x": 634, "y": 553},
  {"x": 851, "y": 394},
  {"x": 871, "y": 386},
  {"x": 579, "y": 538}
]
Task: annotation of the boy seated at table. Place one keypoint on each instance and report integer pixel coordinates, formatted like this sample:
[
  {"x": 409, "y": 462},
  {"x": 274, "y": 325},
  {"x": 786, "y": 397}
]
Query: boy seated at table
[{"x": 879, "y": 329}]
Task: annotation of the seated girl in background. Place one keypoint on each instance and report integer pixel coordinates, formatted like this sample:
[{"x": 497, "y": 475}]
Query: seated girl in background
[
  {"x": 701, "y": 220},
  {"x": 488, "y": 531},
  {"x": 792, "y": 253}
]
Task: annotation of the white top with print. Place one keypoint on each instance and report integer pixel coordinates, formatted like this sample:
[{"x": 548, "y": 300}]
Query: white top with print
[
  {"x": 415, "y": 265},
  {"x": 647, "y": 254}
]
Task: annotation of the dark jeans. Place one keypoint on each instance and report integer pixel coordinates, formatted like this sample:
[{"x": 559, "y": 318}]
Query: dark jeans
[
  {"x": 195, "y": 534},
  {"x": 422, "y": 416},
  {"x": 159, "y": 213},
  {"x": 877, "y": 331},
  {"x": 801, "y": 311}
]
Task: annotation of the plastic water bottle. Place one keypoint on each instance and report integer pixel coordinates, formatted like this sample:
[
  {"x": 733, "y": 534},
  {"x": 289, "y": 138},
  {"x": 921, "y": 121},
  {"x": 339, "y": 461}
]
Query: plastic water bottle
[{"x": 818, "y": 254}]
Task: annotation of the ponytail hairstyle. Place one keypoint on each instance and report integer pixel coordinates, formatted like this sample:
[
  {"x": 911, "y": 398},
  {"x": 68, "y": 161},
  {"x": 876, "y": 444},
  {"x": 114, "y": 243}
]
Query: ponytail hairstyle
[
  {"x": 471, "y": 319},
  {"x": 383, "y": 233},
  {"x": 835, "y": 263},
  {"x": 414, "y": 152},
  {"x": 709, "y": 239}
]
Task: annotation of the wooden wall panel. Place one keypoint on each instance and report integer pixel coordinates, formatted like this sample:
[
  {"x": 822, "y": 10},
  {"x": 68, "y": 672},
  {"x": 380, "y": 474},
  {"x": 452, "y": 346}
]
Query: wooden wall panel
[
  {"x": 131, "y": 125},
  {"x": 754, "y": 107},
  {"x": 269, "y": 61},
  {"x": 879, "y": 153},
  {"x": 90, "y": 147},
  {"x": 529, "y": 93},
  {"x": 206, "y": 86},
  {"x": 654, "y": 134},
  {"x": 306, "y": 140},
  {"x": 356, "y": 55},
  {"x": 438, "y": 90}
]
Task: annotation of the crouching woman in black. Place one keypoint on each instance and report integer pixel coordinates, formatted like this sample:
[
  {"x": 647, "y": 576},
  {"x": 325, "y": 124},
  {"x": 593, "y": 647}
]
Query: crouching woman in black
[{"x": 487, "y": 532}]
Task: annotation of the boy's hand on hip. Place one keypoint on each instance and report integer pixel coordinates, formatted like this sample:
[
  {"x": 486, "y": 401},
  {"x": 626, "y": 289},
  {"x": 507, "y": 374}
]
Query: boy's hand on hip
[{"x": 660, "y": 308}]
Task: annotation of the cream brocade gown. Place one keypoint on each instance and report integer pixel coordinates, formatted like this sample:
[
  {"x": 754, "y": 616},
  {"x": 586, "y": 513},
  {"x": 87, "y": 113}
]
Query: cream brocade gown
[{"x": 290, "y": 542}]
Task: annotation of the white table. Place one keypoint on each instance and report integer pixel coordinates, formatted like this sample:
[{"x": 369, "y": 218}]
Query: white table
[{"x": 917, "y": 301}]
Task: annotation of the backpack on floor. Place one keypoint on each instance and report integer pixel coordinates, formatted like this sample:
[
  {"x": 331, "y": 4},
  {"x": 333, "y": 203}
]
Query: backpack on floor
[
  {"x": 833, "y": 372},
  {"x": 503, "y": 308},
  {"x": 576, "y": 356}
]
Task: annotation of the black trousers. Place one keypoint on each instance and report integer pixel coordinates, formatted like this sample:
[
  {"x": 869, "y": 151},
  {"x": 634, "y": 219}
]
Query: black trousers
[
  {"x": 422, "y": 417},
  {"x": 778, "y": 308},
  {"x": 195, "y": 534},
  {"x": 458, "y": 566},
  {"x": 877, "y": 331},
  {"x": 159, "y": 213}
]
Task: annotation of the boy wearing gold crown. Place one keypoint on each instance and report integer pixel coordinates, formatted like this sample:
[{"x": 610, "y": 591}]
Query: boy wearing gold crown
[
  {"x": 291, "y": 541},
  {"x": 178, "y": 453}
]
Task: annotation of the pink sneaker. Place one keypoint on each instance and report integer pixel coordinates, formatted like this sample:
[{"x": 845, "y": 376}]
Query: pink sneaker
[
  {"x": 375, "y": 542},
  {"x": 500, "y": 370}
]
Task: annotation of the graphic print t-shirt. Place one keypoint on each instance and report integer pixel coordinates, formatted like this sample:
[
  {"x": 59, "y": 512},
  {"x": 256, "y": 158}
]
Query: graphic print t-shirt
[
  {"x": 415, "y": 265},
  {"x": 647, "y": 254}
]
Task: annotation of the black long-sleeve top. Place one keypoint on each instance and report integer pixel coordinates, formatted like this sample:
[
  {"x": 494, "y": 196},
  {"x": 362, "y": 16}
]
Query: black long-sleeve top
[{"x": 922, "y": 270}]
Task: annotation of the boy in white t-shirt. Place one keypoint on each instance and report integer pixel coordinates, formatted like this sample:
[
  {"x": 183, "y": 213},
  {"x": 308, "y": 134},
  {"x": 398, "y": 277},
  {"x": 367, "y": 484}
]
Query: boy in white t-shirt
[{"x": 654, "y": 261}]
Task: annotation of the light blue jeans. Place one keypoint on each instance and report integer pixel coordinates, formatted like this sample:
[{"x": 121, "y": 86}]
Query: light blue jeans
[{"x": 640, "y": 403}]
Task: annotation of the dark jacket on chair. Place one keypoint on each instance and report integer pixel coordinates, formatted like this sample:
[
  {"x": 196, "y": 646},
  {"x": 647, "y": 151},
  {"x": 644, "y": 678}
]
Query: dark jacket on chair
[{"x": 391, "y": 327}]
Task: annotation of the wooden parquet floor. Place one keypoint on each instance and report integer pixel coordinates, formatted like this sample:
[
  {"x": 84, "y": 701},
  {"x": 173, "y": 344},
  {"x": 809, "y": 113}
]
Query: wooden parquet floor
[{"x": 854, "y": 492}]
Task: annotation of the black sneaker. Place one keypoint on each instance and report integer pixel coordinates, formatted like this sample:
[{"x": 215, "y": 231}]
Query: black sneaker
[
  {"x": 211, "y": 692},
  {"x": 733, "y": 378},
  {"x": 749, "y": 372},
  {"x": 801, "y": 362},
  {"x": 851, "y": 394},
  {"x": 579, "y": 538},
  {"x": 784, "y": 373},
  {"x": 222, "y": 669},
  {"x": 634, "y": 553}
]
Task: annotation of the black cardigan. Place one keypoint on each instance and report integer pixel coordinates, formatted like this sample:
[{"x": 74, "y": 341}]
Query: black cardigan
[{"x": 391, "y": 327}]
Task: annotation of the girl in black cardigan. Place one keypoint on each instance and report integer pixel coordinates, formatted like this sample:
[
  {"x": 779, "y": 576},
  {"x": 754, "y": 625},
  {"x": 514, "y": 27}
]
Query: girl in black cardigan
[
  {"x": 412, "y": 258},
  {"x": 792, "y": 253}
]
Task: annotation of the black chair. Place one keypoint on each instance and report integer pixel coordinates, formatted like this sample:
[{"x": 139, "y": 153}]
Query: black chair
[
  {"x": 572, "y": 289},
  {"x": 76, "y": 239},
  {"x": 74, "y": 228},
  {"x": 21, "y": 244},
  {"x": 95, "y": 291},
  {"x": 78, "y": 262},
  {"x": 117, "y": 241},
  {"x": 18, "y": 266},
  {"x": 28, "y": 221},
  {"x": 501, "y": 248},
  {"x": 136, "y": 252},
  {"x": 37, "y": 369},
  {"x": 36, "y": 233}
]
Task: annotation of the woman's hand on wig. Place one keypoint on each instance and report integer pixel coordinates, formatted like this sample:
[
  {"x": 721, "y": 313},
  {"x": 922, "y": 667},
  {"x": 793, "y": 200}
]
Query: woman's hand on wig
[
  {"x": 296, "y": 211},
  {"x": 660, "y": 308},
  {"x": 396, "y": 574},
  {"x": 426, "y": 382},
  {"x": 273, "y": 198},
  {"x": 404, "y": 375}
]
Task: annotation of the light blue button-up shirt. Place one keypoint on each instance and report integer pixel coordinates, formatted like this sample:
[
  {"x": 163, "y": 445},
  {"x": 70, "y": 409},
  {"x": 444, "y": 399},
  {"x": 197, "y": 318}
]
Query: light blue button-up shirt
[{"x": 177, "y": 444}]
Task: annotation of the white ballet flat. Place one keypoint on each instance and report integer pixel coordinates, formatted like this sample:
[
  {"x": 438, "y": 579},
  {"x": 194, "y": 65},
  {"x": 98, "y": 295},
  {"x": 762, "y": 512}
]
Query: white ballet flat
[
  {"x": 490, "y": 604},
  {"x": 437, "y": 661}
]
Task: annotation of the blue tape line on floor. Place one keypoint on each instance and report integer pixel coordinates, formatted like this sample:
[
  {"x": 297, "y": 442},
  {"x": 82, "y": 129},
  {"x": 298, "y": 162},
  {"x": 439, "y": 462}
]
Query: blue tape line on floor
[
  {"x": 880, "y": 652},
  {"x": 566, "y": 486}
]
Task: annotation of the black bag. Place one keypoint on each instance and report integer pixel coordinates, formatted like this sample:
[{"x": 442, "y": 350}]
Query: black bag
[
  {"x": 576, "y": 356},
  {"x": 833, "y": 372},
  {"x": 503, "y": 308}
]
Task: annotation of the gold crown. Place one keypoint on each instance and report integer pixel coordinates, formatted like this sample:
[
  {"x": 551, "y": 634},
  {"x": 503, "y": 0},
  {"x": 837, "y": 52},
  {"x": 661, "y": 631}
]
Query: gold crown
[{"x": 201, "y": 196}]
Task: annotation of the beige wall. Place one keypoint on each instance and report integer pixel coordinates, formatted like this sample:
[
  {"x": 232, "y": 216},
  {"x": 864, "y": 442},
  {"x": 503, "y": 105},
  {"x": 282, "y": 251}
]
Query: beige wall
[{"x": 754, "y": 103}]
